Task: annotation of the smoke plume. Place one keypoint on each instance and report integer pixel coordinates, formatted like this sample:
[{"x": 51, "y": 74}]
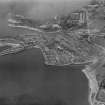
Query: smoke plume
[
  {"x": 36, "y": 9},
  {"x": 44, "y": 9}
]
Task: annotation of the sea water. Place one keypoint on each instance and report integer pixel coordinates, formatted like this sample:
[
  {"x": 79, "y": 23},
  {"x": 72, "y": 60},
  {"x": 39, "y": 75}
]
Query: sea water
[{"x": 26, "y": 73}]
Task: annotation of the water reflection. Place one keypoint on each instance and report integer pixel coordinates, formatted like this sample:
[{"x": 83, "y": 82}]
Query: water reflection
[{"x": 26, "y": 73}]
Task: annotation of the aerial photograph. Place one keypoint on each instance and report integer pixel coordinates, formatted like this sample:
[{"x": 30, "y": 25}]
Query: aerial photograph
[{"x": 52, "y": 52}]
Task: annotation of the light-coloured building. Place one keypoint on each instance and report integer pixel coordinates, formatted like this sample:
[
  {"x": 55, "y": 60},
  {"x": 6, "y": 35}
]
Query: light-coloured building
[
  {"x": 83, "y": 17},
  {"x": 101, "y": 2},
  {"x": 80, "y": 16}
]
